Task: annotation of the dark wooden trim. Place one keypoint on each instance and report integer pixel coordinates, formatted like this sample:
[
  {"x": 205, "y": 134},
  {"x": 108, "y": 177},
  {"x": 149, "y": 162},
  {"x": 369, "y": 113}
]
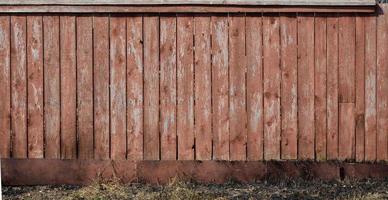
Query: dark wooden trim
[
  {"x": 183, "y": 9},
  {"x": 79, "y": 172}
]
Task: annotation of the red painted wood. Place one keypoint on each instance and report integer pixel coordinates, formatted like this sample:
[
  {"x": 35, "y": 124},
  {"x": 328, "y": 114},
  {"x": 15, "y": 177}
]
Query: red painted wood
[
  {"x": 135, "y": 88},
  {"x": 18, "y": 87},
  {"x": 289, "y": 85},
  {"x": 203, "y": 88},
  {"x": 168, "y": 92},
  {"x": 5, "y": 88},
  {"x": 35, "y": 86}
]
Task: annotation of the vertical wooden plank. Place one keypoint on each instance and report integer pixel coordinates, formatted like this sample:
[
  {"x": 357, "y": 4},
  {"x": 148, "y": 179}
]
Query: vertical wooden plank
[
  {"x": 370, "y": 88},
  {"x": 151, "y": 88},
  {"x": 254, "y": 53},
  {"x": 135, "y": 87},
  {"x": 185, "y": 87},
  {"x": 85, "y": 87},
  {"x": 168, "y": 85},
  {"x": 5, "y": 86},
  {"x": 306, "y": 87},
  {"x": 360, "y": 88},
  {"x": 347, "y": 74},
  {"x": 332, "y": 87},
  {"x": 18, "y": 87},
  {"x": 118, "y": 65},
  {"x": 35, "y": 86},
  {"x": 346, "y": 56},
  {"x": 289, "y": 85},
  {"x": 346, "y": 129},
  {"x": 220, "y": 87},
  {"x": 382, "y": 87},
  {"x": 237, "y": 94},
  {"x": 320, "y": 87},
  {"x": 272, "y": 83},
  {"x": 203, "y": 92},
  {"x": 68, "y": 87},
  {"x": 51, "y": 86},
  {"x": 101, "y": 86}
]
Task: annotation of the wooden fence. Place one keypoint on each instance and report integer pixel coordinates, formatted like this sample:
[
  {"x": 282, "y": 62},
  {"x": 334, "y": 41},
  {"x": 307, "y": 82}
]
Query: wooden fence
[{"x": 238, "y": 86}]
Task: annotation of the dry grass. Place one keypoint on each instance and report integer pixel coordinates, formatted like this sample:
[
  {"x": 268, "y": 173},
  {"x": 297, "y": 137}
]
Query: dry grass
[{"x": 178, "y": 190}]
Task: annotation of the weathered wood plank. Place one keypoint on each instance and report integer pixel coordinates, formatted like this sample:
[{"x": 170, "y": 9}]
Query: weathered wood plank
[
  {"x": 5, "y": 87},
  {"x": 332, "y": 87},
  {"x": 346, "y": 54},
  {"x": 272, "y": 83},
  {"x": 135, "y": 87},
  {"x": 320, "y": 89},
  {"x": 35, "y": 86},
  {"x": 347, "y": 125},
  {"x": 370, "y": 88},
  {"x": 184, "y": 9},
  {"x": 101, "y": 87},
  {"x": 305, "y": 87},
  {"x": 168, "y": 122},
  {"x": 382, "y": 87},
  {"x": 200, "y": 2},
  {"x": 68, "y": 87},
  {"x": 18, "y": 87},
  {"x": 151, "y": 88},
  {"x": 360, "y": 88},
  {"x": 51, "y": 86},
  {"x": 118, "y": 65},
  {"x": 254, "y": 52},
  {"x": 220, "y": 87},
  {"x": 203, "y": 92},
  {"x": 85, "y": 87},
  {"x": 185, "y": 87},
  {"x": 237, "y": 88},
  {"x": 289, "y": 91}
]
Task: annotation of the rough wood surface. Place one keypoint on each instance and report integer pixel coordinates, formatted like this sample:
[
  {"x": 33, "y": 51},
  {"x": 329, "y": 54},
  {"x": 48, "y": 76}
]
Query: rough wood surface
[
  {"x": 68, "y": 87},
  {"x": 35, "y": 86},
  {"x": 5, "y": 87},
  {"x": 346, "y": 139}
]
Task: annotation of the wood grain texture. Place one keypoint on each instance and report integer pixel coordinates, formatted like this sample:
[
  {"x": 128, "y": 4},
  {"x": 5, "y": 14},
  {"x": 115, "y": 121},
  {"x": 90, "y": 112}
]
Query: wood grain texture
[
  {"x": 220, "y": 88},
  {"x": 289, "y": 85},
  {"x": 185, "y": 87},
  {"x": 85, "y": 87},
  {"x": 272, "y": 83},
  {"x": 5, "y": 87},
  {"x": 135, "y": 87},
  {"x": 360, "y": 89},
  {"x": 51, "y": 86},
  {"x": 346, "y": 139},
  {"x": 68, "y": 87},
  {"x": 35, "y": 86},
  {"x": 118, "y": 64},
  {"x": 382, "y": 87},
  {"x": 168, "y": 92},
  {"x": 346, "y": 55},
  {"x": 18, "y": 87},
  {"x": 332, "y": 87},
  {"x": 237, "y": 88},
  {"x": 151, "y": 88},
  {"x": 306, "y": 125},
  {"x": 370, "y": 89},
  {"x": 254, "y": 52},
  {"x": 101, "y": 44},
  {"x": 203, "y": 88},
  {"x": 320, "y": 89}
]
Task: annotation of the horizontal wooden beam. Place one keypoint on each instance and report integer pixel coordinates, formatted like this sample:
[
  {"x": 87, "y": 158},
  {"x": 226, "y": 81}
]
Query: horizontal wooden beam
[
  {"x": 192, "y": 2},
  {"x": 80, "y": 172},
  {"x": 183, "y": 9}
]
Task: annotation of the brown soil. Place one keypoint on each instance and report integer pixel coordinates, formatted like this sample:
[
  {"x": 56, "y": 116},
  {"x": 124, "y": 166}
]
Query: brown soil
[{"x": 291, "y": 189}]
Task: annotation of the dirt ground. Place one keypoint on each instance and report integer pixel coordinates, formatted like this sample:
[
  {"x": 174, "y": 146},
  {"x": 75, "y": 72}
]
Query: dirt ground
[{"x": 291, "y": 189}]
